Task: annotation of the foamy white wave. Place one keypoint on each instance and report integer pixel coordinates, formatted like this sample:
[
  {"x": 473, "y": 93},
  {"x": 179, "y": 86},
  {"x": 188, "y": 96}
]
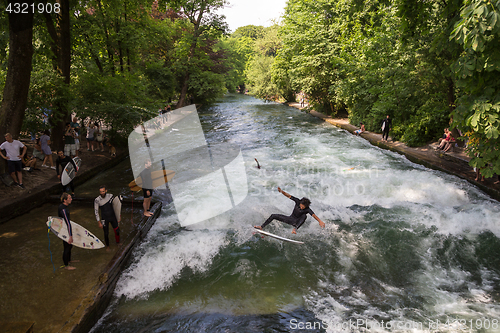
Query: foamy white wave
[{"x": 161, "y": 265}]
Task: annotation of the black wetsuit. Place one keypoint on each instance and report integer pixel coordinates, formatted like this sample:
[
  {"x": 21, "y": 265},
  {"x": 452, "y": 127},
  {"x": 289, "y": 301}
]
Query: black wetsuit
[
  {"x": 386, "y": 124},
  {"x": 63, "y": 162},
  {"x": 296, "y": 219},
  {"x": 63, "y": 212},
  {"x": 107, "y": 216}
]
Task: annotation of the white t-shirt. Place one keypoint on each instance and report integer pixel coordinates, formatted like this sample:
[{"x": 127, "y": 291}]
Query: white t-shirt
[{"x": 12, "y": 149}]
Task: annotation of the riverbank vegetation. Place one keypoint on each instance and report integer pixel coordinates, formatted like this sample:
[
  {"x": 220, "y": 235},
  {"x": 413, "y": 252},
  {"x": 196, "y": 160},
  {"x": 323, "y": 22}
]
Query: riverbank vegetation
[{"x": 428, "y": 64}]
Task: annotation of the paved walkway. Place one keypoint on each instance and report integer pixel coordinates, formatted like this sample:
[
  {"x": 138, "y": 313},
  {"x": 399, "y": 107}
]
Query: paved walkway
[{"x": 455, "y": 163}]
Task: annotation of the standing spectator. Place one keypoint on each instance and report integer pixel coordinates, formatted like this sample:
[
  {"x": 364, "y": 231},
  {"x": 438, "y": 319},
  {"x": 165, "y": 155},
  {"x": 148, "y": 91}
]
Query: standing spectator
[
  {"x": 108, "y": 216},
  {"x": 37, "y": 150},
  {"x": 147, "y": 188},
  {"x": 90, "y": 136},
  {"x": 62, "y": 160},
  {"x": 69, "y": 141},
  {"x": 99, "y": 136},
  {"x": 63, "y": 212},
  {"x": 45, "y": 145},
  {"x": 76, "y": 127},
  {"x": 14, "y": 163},
  {"x": 386, "y": 127}
]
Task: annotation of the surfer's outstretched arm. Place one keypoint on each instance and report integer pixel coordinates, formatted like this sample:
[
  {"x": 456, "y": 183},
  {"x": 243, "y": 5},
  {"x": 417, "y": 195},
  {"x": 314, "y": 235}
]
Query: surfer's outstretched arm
[
  {"x": 258, "y": 165},
  {"x": 321, "y": 223},
  {"x": 284, "y": 193}
]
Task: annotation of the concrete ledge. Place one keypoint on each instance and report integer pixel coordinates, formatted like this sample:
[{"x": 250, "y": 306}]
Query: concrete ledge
[
  {"x": 21, "y": 327},
  {"x": 445, "y": 162},
  {"x": 95, "y": 303}
]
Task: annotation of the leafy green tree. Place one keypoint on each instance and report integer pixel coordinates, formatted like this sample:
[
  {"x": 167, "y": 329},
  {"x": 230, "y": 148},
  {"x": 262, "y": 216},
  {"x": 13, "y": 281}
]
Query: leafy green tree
[
  {"x": 477, "y": 71},
  {"x": 200, "y": 14},
  {"x": 259, "y": 67},
  {"x": 240, "y": 50}
]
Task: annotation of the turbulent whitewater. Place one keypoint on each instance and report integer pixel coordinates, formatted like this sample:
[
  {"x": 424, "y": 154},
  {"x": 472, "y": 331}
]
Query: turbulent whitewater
[{"x": 405, "y": 248}]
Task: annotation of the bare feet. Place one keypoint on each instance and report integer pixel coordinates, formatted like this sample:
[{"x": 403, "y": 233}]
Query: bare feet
[
  {"x": 108, "y": 249},
  {"x": 148, "y": 214},
  {"x": 70, "y": 268},
  {"x": 497, "y": 182},
  {"x": 258, "y": 227}
]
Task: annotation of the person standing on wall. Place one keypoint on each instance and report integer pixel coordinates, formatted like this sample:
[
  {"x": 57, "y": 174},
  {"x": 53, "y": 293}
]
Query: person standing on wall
[
  {"x": 14, "y": 157},
  {"x": 386, "y": 127},
  {"x": 104, "y": 203}
]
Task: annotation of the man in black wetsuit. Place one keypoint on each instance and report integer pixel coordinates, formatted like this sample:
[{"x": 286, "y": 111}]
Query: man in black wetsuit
[
  {"x": 104, "y": 202},
  {"x": 386, "y": 127},
  {"x": 62, "y": 161},
  {"x": 63, "y": 212},
  {"x": 298, "y": 216}
]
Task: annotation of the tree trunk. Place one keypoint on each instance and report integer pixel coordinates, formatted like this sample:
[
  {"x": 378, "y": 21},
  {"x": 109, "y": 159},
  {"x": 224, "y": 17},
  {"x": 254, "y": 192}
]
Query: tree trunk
[
  {"x": 196, "y": 34},
  {"x": 17, "y": 82},
  {"x": 61, "y": 44}
]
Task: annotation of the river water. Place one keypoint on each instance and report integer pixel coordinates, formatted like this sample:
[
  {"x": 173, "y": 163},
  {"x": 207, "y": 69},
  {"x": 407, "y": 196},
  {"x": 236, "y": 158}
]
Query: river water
[{"x": 405, "y": 248}]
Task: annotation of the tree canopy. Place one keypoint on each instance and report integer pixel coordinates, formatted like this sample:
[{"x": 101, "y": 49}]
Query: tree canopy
[{"x": 428, "y": 64}]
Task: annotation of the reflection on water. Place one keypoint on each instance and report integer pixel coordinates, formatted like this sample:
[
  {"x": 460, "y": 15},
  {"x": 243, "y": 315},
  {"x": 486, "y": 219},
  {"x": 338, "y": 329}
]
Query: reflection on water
[{"x": 403, "y": 244}]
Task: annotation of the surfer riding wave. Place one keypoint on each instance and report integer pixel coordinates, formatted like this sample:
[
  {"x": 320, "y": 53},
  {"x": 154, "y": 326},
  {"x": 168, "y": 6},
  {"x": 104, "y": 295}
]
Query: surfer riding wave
[{"x": 298, "y": 216}]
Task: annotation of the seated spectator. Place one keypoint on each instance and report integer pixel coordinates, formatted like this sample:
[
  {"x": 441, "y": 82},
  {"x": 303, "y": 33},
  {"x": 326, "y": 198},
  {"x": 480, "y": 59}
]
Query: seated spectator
[
  {"x": 361, "y": 130},
  {"x": 447, "y": 142},
  {"x": 29, "y": 163},
  {"x": 444, "y": 135}
]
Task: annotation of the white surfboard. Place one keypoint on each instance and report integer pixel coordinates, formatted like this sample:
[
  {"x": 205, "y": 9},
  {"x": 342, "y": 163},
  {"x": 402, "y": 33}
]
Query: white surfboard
[
  {"x": 78, "y": 162},
  {"x": 81, "y": 236},
  {"x": 68, "y": 174},
  {"x": 277, "y": 237},
  {"x": 117, "y": 206}
]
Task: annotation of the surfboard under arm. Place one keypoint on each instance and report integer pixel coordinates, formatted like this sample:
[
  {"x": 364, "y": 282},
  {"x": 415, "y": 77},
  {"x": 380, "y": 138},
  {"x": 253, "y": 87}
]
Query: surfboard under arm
[{"x": 277, "y": 237}]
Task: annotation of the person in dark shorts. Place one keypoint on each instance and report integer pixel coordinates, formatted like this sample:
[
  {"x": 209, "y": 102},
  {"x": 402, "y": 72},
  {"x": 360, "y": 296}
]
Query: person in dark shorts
[
  {"x": 63, "y": 212},
  {"x": 298, "y": 216},
  {"x": 62, "y": 160},
  {"x": 147, "y": 188},
  {"x": 14, "y": 159},
  {"x": 104, "y": 202}
]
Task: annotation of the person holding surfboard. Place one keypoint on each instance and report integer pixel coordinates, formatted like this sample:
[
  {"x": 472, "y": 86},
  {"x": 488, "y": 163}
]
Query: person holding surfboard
[
  {"x": 63, "y": 212},
  {"x": 62, "y": 160},
  {"x": 298, "y": 216},
  {"x": 105, "y": 202}
]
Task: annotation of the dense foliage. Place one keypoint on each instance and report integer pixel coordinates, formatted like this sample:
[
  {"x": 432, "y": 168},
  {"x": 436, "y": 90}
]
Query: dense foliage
[
  {"x": 427, "y": 64},
  {"x": 128, "y": 59}
]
